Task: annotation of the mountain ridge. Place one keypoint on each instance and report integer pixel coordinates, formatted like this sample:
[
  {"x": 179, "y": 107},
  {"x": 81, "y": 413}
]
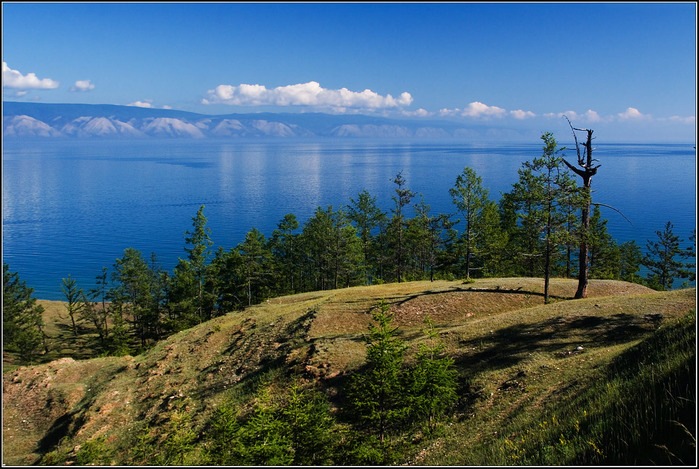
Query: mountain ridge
[{"x": 53, "y": 120}]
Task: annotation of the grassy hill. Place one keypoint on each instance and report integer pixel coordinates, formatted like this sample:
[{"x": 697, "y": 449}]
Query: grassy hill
[{"x": 571, "y": 382}]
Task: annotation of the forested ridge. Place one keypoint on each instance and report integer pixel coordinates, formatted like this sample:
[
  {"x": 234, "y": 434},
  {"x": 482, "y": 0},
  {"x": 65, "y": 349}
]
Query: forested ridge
[{"x": 535, "y": 230}]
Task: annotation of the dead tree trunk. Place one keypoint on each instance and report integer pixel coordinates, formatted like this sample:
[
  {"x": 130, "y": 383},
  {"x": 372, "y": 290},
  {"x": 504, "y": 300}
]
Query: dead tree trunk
[{"x": 588, "y": 170}]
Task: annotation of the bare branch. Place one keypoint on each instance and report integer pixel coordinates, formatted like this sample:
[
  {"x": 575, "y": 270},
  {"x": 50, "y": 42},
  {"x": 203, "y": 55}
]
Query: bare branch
[
  {"x": 615, "y": 209},
  {"x": 573, "y": 168},
  {"x": 577, "y": 147}
]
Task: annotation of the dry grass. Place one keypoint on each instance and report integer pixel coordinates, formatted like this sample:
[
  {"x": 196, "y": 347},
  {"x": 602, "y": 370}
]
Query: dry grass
[{"x": 493, "y": 328}]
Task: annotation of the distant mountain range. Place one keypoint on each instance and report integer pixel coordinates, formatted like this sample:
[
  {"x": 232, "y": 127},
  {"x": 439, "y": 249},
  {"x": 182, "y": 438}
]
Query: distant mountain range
[{"x": 31, "y": 120}]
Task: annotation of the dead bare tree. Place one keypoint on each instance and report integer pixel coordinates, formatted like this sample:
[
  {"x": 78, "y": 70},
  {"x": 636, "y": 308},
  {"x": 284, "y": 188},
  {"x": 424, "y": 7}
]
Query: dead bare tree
[{"x": 585, "y": 161}]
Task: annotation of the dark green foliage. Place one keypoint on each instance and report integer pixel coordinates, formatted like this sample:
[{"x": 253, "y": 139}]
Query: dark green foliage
[
  {"x": 295, "y": 428},
  {"x": 367, "y": 217},
  {"x": 286, "y": 255},
  {"x": 136, "y": 296},
  {"x": 95, "y": 310},
  {"x": 376, "y": 392},
  {"x": 74, "y": 302},
  {"x": 604, "y": 253},
  {"x": 332, "y": 249},
  {"x": 255, "y": 266},
  {"x": 492, "y": 244},
  {"x": 397, "y": 224},
  {"x": 387, "y": 397},
  {"x": 630, "y": 258},
  {"x": 543, "y": 196},
  {"x": 307, "y": 414},
  {"x": 22, "y": 323},
  {"x": 94, "y": 452},
  {"x": 174, "y": 443},
  {"x": 198, "y": 242},
  {"x": 661, "y": 259},
  {"x": 227, "y": 283},
  {"x": 425, "y": 238},
  {"x": 470, "y": 197},
  {"x": 431, "y": 384}
]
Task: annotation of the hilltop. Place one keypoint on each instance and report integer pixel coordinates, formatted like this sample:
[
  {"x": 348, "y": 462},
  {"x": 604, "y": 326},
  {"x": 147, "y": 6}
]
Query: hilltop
[{"x": 518, "y": 361}]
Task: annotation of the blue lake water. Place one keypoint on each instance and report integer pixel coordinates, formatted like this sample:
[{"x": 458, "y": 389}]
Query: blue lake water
[{"x": 73, "y": 206}]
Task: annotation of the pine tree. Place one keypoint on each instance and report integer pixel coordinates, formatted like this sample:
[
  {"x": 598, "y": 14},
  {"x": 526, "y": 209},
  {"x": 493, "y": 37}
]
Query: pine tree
[
  {"x": 661, "y": 260},
  {"x": 367, "y": 217},
  {"x": 309, "y": 422},
  {"x": 226, "y": 273},
  {"x": 285, "y": 250},
  {"x": 425, "y": 235},
  {"x": 397, "y": 224},
  {"x": 22, "y": 320},
  {"x": 630, "y": 258},
  {"x": 74, "y": 305},
  {"x": 134, "y": 292},
  {"x": 604, "y": 253},
  {"x": 199, "y": 242},
  {"x": 431, "y": 384},
  {"x": 493, "y": 242},
  {"x": 544, "y": 191},
  {"x": 256, "y": 265},
  {"x": 376, "y": 392},
  {"x": 469, "y": 196},
  {"x": 94, "y": 313}
]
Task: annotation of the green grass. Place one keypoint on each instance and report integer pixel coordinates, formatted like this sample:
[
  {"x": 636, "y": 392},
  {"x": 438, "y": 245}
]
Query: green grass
[
  {"x": 637, "y": 409},
  {"x": 523, "y": 398}
]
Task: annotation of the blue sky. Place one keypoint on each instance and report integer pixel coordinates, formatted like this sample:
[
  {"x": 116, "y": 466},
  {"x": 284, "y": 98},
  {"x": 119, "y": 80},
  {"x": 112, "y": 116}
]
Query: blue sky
[{"x": 626, "y": 70}]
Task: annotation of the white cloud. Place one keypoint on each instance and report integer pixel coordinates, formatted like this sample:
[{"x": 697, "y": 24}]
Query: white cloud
[
  {"x": 148, "y": 103},
  {"x": 302, "y": 94},
  {"x": 418, "y": 112},
  {"x": 681, "y": 120},
  {"x": 520, "y": 114},
  {"x": 145, "y": 103},
  {"x": 477, "y": 110},
  {"x": 632, "y": 113},
  {"x": 14, "y": 79},
  {"x": 587, "y": 116},
  {"x": 82, "y": 85}
]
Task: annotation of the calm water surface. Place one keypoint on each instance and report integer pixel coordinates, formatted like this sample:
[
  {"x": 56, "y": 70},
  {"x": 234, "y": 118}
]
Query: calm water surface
[{"x": 71, "y": 207}]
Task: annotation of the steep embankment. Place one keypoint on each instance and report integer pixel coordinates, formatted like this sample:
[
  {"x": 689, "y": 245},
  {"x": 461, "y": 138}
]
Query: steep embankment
[{"x": 503, "y": 339}]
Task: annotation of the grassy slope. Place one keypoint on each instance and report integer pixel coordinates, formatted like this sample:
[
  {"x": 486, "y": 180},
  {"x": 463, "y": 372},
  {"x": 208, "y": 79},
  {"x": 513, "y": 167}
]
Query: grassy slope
[{"x": 509, "y": 347}]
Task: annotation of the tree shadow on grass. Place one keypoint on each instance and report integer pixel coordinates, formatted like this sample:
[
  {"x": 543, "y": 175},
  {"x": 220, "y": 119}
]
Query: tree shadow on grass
[
  {"x": 510, "y": 345},
  {"x": 497, "y": 290}
]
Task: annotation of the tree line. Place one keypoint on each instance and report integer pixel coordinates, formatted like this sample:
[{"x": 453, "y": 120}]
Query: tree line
[{"x": 542, "y": 227}]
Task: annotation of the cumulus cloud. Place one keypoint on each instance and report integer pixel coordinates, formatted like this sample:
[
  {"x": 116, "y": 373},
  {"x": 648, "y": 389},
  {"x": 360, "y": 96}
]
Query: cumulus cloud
[
  {"x": 476, "y": 110},
  {"x": 15, "y": 79},
  {"x": 682, "y": 120},
  {"x": 82, "y": 85},
  {"x": 302, "y": 94},
  {"x": 146, "y": 103},
  {"x": 520, "y": 114},
  {"x": 418, "y": 112},
  {"x": 588, "y": 116},
  {"x": 632, "y": 113}
]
